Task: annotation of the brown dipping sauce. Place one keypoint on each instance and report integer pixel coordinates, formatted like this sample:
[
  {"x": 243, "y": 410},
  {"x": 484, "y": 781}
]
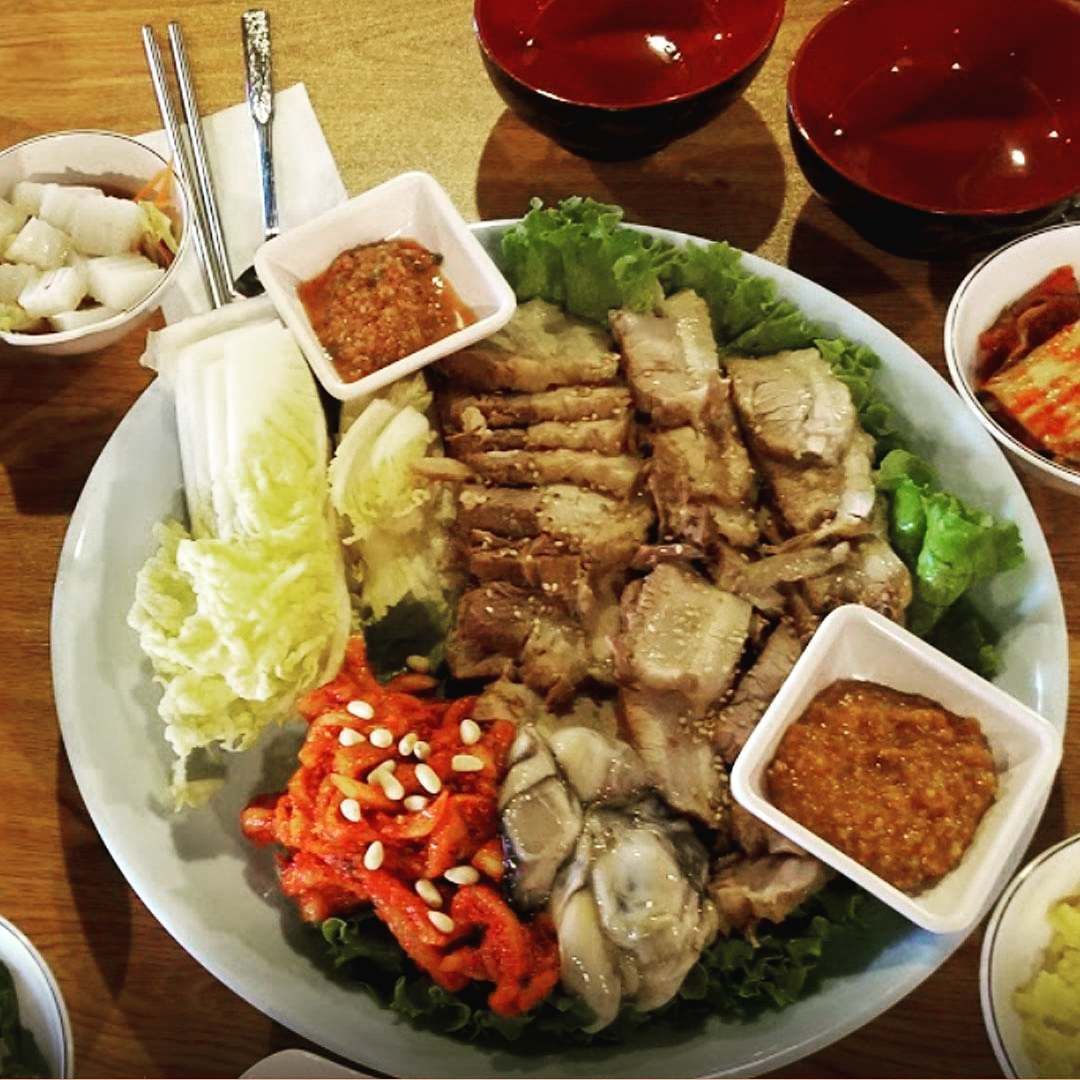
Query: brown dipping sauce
[
  {"x": 894, "y": 780},
  {"x": 379, "y": 302}
]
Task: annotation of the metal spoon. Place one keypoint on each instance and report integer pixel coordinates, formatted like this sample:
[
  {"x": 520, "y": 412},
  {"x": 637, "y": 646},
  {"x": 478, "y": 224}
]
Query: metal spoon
[{"x": 260, "y": 97}]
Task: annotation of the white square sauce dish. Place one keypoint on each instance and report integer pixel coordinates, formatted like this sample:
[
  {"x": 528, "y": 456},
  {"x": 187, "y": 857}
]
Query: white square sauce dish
[
  {"x": 856, "y": 643},
  {"x": 411, "y": 206}
]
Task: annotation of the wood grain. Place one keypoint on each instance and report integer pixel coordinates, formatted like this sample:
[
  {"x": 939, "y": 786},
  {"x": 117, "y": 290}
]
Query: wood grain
[{"x": 396, "y": 87}]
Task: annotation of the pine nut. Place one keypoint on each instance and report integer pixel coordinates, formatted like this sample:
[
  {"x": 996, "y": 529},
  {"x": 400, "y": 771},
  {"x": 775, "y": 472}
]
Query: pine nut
[
  {"x": 360, "y": 709},
  {"x": 466, "y": 763},
  {"x": 441, "y": 921},
  {"x": 462, "y": 875},
  {"x": 428, "y": 893},
  {"x": 428, "y": 779}
]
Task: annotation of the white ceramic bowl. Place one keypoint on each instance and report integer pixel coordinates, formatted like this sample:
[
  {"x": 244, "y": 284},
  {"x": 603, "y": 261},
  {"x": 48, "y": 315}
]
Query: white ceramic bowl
[
  {"x": 412, "y": 206},
  {"x": 92, "y": 157},
  {"x": 41, "y": 1005},
  {"x": 1012, "y": 950},
  {"x": 854, "y": 642},
  {"x": 1002, "y": 277}
]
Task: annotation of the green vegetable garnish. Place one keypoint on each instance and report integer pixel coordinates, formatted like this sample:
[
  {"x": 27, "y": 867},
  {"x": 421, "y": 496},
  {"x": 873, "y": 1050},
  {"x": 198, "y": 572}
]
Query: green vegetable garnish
[
  {"x": 19, "y": 1052},
  {"x": 949, "y": 548},
  {"x": 735, "y": 978}
]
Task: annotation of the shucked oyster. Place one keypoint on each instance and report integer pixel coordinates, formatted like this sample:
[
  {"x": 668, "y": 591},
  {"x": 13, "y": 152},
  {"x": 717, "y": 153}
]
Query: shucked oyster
[
  {"x": 630, "y": 909},
  {"x": 622, "y": 878}
]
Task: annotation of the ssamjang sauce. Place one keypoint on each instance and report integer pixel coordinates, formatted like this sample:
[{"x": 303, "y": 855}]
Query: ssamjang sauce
[
  {"x": 894, "y": 780},
  {"x": 379, "y": 302}
]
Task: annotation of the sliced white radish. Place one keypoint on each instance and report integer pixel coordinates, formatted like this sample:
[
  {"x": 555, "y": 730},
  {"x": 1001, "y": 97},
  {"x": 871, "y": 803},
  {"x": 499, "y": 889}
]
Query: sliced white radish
[
  {"x": 59, "y": 203},
  {"x": 54, "y": 292},
  {"x": 106, "y": 226},
  {"x": 76, "y": 320},
  {"x": 40, "y": 244},
  {"x": 26, "y": 195},
  {"x": 12, "y": 219},
  {"x": 121, "y": 281},
  {"x": 14, "y": 277}
]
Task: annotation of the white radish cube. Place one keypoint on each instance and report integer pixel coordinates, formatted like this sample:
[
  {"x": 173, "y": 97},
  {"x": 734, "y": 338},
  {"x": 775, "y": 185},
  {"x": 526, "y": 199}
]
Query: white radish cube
[
  {"x": 107, "y": 226},
  {"x": 14, "y": 277},
  {"x": 76, "y": 320},
  {"x": 12, "y": 219},
  {"x": 54, "y": 292},
  {"x": 121, "y": 281},
  {"x": 40, "y": 244},
  {"x": 59, "y": 202},
  {"x": 26, "y": 195}
]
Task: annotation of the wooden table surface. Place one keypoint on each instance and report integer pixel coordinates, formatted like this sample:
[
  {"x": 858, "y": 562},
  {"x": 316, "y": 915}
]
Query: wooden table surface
[{"x": 397, "y": 86}]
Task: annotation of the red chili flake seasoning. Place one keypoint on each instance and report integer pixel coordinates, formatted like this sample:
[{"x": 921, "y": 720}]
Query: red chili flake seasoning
[{"x": 379, "y": 302}]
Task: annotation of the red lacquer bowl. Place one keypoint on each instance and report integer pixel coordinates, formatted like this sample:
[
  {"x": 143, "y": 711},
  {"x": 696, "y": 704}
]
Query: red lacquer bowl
[
  {"x": 621, "y": 78},
  {"x": 932, "y": 124}
]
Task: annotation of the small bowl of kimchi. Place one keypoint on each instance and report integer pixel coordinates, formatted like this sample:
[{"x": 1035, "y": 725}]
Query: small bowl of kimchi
[{"x": 1012, "y": 343}]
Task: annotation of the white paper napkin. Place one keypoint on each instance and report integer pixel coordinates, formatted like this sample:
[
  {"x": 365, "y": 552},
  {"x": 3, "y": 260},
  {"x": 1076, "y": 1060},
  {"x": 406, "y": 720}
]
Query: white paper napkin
[{"x": 307, "y": 179}]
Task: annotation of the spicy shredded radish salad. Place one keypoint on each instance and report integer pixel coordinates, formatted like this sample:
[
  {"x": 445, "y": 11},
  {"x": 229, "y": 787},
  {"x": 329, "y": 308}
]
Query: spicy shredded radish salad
[{"x": 395, "y": 805}]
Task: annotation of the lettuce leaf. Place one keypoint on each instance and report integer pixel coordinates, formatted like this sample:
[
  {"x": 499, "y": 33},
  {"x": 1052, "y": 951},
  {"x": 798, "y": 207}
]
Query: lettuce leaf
[
  {"x": 736, "y": 978},
  {"x": 580, "y": 257},
  {"x": 949, "y": 547}
]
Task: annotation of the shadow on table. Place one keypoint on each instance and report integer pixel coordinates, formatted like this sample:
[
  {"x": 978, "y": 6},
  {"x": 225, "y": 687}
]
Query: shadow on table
[
  {"x": 52, "y": 426},
  {"x": 725, "y": 181},
  {"x": 100, "y": 896},
  {"x": 827, "y": 250}
]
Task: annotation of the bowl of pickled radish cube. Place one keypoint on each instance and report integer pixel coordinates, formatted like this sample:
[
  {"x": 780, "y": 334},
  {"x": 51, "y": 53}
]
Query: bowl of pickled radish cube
[{"x": 92, "y": 228}]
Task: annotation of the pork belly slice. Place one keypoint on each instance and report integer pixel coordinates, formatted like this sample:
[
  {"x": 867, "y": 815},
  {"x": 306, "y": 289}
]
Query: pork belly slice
[
  {"x": 755, "y": 690},
  {"x": 793, "y": 407},
  {"x": 489, "y": 369},
  {"x": 757, "y": 838},
  {"x": 513, "y": 701},
  {"x": 503, "y": 630},
  {"x": 540, "y": 348},
  {"x": 758, "y": 580},
  {"x": 585, "y": 520},
  {"x": 826, "y": 500},
  {"x": 769, "y": 888},
  {"x": 566, "y": 404},
  {"x": 540, "y": 565},
  {"x": 701, "y": 487},
  {"x": 680, "y": 633},
  {"x": 676, "y": 749},
  {"x": 600, "y": 436},
  {"x": 616, "y": 476},
  {"x": 873, "y": 575},
  {"x": 680, "y": 641},
  {"x": 803, "y": 430},
  {"x": 670, "y": 359}
]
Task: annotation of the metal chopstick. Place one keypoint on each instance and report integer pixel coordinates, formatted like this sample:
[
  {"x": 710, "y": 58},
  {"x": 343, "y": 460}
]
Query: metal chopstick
[
  {"x": 207, "y": 260},
  {"x": 200, "y": 161}
]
